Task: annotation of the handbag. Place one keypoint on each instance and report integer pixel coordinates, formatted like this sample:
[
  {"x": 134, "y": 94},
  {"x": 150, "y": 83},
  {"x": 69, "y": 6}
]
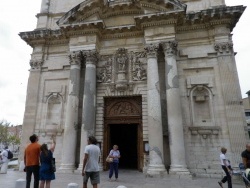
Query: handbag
[
  {"x": 53, "y": 164},
  {"x": 109, "y": 159}
]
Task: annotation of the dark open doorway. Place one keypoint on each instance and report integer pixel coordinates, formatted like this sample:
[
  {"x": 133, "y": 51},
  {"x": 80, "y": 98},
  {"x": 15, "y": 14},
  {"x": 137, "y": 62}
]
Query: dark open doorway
[{"x": 125, "y": 136}]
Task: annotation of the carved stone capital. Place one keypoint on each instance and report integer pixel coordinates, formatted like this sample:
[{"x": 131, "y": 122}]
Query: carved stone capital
[
  {"x": 224, "y": 48},
  {"x": 152, "y": 50},
  {"x": 170, "y": 47},
  {"x": 75, "y": 58},
  {"x": 36, "y": 64},
  {"x": 91, "y": 56}
]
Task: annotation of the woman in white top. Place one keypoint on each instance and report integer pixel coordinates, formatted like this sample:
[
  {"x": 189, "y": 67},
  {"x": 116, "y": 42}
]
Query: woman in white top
[
  {"x": 226, "y": 167},
  {"x": 115, "y": 154}
]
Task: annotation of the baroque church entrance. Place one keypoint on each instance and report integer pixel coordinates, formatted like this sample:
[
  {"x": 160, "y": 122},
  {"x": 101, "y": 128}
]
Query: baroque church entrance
[{"x": 123, "y": 127}]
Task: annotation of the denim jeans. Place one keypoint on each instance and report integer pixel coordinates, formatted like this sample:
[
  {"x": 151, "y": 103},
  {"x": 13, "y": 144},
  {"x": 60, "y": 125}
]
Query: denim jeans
[{"x": 113, "y": 167}]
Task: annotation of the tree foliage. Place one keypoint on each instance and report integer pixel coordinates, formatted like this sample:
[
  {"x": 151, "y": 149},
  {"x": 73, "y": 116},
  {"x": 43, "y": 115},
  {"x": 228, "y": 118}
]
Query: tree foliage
[{"x": 5, "y": 137}]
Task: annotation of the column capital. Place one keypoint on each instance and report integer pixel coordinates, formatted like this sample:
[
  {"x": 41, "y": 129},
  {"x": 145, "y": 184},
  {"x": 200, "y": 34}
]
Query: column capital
[
  {"x": 91, "y": 56},
  {"x": 151, "y": 50},
  {"x": 170, "y": 47},
  {"x": 224, "y": 47},
  {"x": 75, "y": 58},
  {"x": 36, "y": 64}
]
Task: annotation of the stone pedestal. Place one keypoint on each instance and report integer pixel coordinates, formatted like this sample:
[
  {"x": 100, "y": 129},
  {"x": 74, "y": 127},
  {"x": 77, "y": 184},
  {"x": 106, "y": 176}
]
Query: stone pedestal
[
  {"x": 175, "y": 124},
  {"x": 20, "y": 183},
  {"x": 155, "y": 136},
  {"x": 71, "y": 120},
  {"x": 89, "y": 101}
]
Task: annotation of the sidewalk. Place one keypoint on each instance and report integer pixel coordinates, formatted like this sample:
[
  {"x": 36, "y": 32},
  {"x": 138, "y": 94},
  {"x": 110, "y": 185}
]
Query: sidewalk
[{"x": 128, "y": 178}]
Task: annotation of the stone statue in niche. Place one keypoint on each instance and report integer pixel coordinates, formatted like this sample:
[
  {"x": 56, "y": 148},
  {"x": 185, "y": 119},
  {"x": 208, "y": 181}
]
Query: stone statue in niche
[
  {"x": 121, "y": 60},
  {"x": 105, "y": 74},
  {"x": 139, "y": 73}
]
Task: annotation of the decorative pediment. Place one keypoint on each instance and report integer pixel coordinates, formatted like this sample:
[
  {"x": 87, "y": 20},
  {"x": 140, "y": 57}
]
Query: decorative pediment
[{"x": 95, "y": 10}]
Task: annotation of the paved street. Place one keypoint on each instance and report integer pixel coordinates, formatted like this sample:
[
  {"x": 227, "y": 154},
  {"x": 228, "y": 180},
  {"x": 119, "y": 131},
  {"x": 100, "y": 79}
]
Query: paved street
[{"x": 128, "y": 178}]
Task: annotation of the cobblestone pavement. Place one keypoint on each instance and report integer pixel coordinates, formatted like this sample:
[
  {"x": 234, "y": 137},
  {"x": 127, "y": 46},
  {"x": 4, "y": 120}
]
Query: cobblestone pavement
[{"x": 128, "y": 178}]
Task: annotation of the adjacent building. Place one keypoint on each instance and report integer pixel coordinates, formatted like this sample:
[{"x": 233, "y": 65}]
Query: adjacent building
[{"x": 157, "y": 78}]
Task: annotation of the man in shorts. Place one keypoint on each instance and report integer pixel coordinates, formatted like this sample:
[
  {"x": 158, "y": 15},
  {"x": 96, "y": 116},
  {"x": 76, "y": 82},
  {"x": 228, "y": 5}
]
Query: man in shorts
[{"x": 91, "y": 163}]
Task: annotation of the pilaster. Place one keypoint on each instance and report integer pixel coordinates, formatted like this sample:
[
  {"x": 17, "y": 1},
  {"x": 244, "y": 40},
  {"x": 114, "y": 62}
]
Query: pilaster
[
  {"x": 29, "y": 120},
  {"x": 231, "y": 98}
]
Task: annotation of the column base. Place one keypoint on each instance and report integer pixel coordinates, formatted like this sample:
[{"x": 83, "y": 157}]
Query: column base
[
  {"x": 66, "y": 168},
  {"x": 156, "y": 170},
  {"x": 179, "y": 171}
]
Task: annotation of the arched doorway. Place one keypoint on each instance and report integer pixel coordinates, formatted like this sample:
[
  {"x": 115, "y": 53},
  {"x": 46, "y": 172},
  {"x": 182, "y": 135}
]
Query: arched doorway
[{"x": 122, "y": 126}]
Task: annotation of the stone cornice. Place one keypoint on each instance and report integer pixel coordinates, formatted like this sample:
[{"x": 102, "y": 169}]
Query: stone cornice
[{"x": 204, "y": 19}]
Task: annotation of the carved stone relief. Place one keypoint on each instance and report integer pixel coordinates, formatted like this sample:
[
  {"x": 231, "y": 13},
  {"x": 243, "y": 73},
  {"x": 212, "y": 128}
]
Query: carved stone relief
[
  {"x": 122, "y": 69},
  {"x": 105, "y": 73},
  {"x": 139, "y": 72}
]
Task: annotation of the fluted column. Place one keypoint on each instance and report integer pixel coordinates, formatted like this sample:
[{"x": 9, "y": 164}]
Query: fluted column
[
  {"x": 175, "y": 124},
  {"x": 29, "y": 119},
  {"x": 71, "y": 119},
  {"x": 155, "y": 135},
  {"x": 89, "y": 100}
]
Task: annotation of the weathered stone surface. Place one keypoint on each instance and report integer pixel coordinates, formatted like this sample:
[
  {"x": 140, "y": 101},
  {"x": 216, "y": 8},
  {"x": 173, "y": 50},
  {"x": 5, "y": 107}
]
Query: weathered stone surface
[{"x": 190, "y": 97}]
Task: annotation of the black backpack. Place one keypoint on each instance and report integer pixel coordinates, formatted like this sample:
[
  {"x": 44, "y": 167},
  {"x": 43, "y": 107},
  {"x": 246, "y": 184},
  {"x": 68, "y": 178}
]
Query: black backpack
[{"x": 10, "y": 154}]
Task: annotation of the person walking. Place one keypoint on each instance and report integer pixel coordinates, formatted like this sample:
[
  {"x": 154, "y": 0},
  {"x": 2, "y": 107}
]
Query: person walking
[
  {"x": 4, "y": 161},
  {"x": 31, "y": 161},
  {"x": 227, "y": 169},
  {"x": 115, "y": 154},
  {"x": 91, "y": 163},
  {"x": 46, "y": 174}
]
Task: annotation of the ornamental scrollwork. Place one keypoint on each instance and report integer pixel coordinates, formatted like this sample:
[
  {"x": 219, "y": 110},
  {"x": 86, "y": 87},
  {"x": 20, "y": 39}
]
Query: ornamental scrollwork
[
  {"x": 152, "y": 49},
  {"x": 91, "y": 56},
  {"x": 75, "y": 58},
  {"x": 170, "y": 47}
]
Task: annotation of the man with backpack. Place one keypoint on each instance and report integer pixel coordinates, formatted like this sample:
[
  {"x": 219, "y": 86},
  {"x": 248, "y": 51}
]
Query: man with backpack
[{"x": 5, "y": 160}]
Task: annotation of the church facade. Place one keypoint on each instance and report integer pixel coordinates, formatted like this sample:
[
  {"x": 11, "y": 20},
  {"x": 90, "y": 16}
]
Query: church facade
[{"x": 157, "y": 78}]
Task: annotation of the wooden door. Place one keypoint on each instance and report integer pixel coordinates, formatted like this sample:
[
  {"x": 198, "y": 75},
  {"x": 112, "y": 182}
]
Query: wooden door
[{"x": 123, "y": 110}]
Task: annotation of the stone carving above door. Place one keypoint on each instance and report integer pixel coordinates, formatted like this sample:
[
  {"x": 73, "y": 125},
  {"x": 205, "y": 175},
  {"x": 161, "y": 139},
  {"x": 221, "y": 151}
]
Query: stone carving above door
[
  {"x": 123, "y": 107},
  {"x": 122, "y": 69}
]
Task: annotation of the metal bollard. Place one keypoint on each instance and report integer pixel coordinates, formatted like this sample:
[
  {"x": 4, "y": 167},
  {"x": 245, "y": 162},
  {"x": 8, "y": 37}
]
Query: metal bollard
[
  {"x": 20, "y": 183},
  {"x": 73, "y": 185},
  {"x": 121, "y": 186}
]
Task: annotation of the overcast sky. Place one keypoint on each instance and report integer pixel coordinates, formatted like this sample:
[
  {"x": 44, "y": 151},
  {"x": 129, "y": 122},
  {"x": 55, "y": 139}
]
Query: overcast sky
[{"x": 19, "y": 15}]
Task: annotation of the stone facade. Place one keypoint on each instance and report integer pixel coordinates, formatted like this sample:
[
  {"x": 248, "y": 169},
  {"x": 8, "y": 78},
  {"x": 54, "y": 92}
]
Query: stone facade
[{"x": 166, "y": 67}]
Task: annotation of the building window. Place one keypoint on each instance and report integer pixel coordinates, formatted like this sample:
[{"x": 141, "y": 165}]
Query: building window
[{"x": 247, "y": 113}]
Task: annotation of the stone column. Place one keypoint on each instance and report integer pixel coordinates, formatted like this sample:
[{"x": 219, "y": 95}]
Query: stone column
[
  {"x": 174, "y": 113},
  {"x": 231, "y": 96},
  {"x": 89, "y": 100},
  {"x": 155, "y": 135},
  {"x": 29, "y": 119},
  {"x": 71, "y": 119}
]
